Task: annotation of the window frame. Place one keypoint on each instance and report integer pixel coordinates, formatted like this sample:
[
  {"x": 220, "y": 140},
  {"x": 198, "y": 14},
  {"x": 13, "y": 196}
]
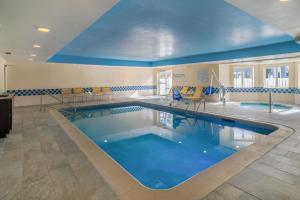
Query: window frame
[
  {"x": 276, "y": 67},
  {"x": 243, "y": 69}
]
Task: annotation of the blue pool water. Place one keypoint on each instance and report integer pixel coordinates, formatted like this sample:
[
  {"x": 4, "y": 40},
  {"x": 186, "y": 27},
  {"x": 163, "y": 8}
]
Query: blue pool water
[
  {"x": 163, "y": 147},
  {"x": 265, "y": 106}
]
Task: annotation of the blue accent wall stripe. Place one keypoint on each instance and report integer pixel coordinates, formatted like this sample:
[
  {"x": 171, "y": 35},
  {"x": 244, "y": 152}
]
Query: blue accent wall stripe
[
  {"x": 96, "y": 61},
  {"x": 274, "y": 49}
]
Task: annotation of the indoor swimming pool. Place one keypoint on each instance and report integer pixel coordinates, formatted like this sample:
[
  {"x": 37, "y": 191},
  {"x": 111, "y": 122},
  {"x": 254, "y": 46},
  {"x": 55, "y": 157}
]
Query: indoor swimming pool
[{"x": 162, "y": 147}]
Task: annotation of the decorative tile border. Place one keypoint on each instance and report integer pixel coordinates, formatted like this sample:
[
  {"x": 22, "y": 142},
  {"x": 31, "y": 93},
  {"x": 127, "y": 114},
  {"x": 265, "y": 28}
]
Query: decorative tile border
[
  {"x": 291, "y": 90},
  {"x": 55, "y": 91},
  {"x": 35, "y": 92},
  {"x": 131, "y": 88}
]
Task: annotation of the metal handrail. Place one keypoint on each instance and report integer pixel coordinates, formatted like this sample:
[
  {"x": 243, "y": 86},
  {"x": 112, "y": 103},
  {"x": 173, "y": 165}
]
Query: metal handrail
[
  {"x": 221, "y": 86},
  {"x": 54, "y": 97},
  {"x": 46, "y": 93},
  {"x": 270, "y": 101},
  {"x": 51, "y": 95}
]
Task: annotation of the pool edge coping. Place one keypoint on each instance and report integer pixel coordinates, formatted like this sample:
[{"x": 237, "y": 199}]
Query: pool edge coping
[{"x": 197, "y": 186}]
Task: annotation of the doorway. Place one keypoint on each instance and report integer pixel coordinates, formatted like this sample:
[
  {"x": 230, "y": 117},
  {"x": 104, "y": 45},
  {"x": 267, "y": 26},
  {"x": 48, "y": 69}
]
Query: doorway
[{"x": 164, "y": 82}]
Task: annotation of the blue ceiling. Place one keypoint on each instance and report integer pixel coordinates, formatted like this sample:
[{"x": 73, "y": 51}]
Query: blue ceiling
[{"x": 161, "y": 32}]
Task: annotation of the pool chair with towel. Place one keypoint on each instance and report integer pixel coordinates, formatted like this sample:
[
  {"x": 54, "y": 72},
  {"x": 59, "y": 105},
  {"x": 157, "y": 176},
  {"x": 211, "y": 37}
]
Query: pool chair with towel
[
  {"x": 198, "y": 96},
  {"x": 106, "y": 91},
  {"x": 185, "y": 91},
  {"x": 176, "y": 97},
  {"x": 97, "y": 92},
  {"x": 210, "y": 90},
  {"x": 66, "y": 93},
  {"x": 79, "y": 93}
]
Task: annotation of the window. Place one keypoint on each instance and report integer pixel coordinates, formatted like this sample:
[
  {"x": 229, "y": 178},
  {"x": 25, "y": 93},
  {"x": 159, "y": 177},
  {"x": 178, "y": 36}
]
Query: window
[
  {"x": 277, "y": 77},
  {"x": 243, "y": 77}
]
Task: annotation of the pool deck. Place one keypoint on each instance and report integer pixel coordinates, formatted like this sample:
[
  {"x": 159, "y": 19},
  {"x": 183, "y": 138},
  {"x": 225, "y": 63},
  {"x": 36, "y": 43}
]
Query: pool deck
[{"x": 38, "y": 160}]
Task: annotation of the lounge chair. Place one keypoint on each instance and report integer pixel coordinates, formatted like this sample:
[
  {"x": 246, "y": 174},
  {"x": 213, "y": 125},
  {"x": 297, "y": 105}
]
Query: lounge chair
[
  {"x": 198, "y": 96},
  {"x": 79, "y": 92},
  {"x": 176, "y": 97},
  {"x": 66, "y": 93},
  {"x": 106, "y": 91},
  {"x": 184, "y": 91},
  {"x": 97, "y": 92}
]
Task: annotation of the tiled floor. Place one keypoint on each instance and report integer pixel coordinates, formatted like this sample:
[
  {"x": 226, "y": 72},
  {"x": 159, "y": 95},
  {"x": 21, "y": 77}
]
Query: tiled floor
[{"x": 39, "y": 161}]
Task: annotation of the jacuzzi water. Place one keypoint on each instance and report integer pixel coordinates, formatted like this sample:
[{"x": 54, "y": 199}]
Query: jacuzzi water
[
  {"x": 163, "y": 147},
  {"x": 265, "y": 106}
]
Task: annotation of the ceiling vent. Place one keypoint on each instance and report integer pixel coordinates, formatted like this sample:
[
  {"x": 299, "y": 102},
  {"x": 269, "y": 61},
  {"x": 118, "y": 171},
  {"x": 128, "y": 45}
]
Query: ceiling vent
[{"x": 297, "y": 39}]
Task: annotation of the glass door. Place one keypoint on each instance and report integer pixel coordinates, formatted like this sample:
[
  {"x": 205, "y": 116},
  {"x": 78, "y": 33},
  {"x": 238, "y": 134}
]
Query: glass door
[{"x": 164, "y": 82}]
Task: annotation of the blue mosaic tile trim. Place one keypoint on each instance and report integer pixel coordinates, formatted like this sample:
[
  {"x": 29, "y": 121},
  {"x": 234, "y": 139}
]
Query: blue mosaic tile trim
[
  {"x": 35, "y": 92},
  {"x": 255, "y": 90},
  {"x": 133, "y": 88},
  {"x": 264, "y": 90}
]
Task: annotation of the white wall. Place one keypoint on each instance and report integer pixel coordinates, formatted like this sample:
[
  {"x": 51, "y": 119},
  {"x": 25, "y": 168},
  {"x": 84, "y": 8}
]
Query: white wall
[
  {"x": 189, "y": 72},
  {"x": 41, "y": 75},
  {"x": 51, "y": 75},
  {"x": 2, "y": 63},
  {"x": 188, "y": 75}
]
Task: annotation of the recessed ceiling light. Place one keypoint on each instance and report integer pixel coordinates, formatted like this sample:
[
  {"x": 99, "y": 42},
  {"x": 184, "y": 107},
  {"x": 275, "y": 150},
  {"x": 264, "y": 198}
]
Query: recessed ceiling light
[
  {"x": 33, "y": 55},
  {"x": 43, "y": 29},
  {"x": 284, "y": 0},
  {"x": 36, "y": 46}
]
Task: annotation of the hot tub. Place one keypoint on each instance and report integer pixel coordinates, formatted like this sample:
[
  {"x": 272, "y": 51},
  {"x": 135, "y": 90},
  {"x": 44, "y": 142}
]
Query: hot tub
[{"x": 265, "y": 106}]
